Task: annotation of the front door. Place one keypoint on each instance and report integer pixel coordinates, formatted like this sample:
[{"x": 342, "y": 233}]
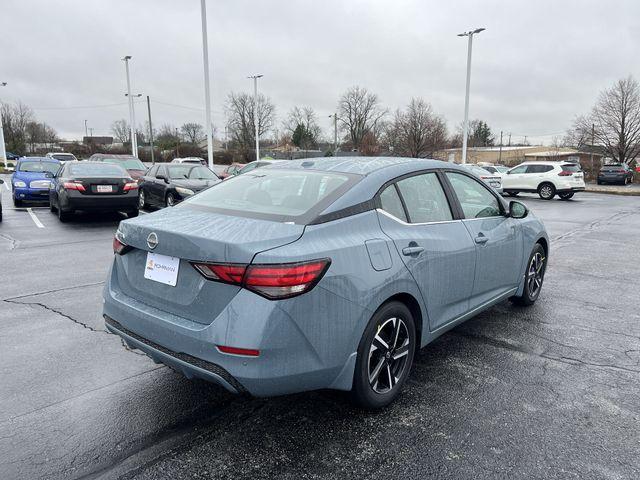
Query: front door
[
  {"x": 516, "y": 178},
  {"x": 497, "y": 238},
  {"x": 436, "y": 248}
]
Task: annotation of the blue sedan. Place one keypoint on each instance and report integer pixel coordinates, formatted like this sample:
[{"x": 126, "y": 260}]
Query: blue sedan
[
  {"x": 32, "y": 178},
  {"x": 320, "y": 273}
]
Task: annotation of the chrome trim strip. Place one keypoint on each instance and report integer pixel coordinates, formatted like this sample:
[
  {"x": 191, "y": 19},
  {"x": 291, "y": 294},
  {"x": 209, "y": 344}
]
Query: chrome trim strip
[{"x": 402, "y": 222}]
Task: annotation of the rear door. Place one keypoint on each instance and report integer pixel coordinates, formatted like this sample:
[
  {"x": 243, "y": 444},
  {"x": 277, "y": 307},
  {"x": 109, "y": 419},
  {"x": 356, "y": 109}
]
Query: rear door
[
  {"x": 497, "y": 238},
  {"x": 433, "y": 244}
]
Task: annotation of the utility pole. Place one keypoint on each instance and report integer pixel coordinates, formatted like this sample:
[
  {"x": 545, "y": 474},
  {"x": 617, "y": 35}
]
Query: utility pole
[
  {"x": 509, "y": 139},
  {"x": 500, "y": 154},
  {"x": 91, "y": 132},
  {"x": 255, "y": 112},
  {"x": 85, "y": 128},
  {"x": 153, "y": 158},
  {"x": 207, "y": 94},
  {"x": 3, "y": 150},
  {"x": 177, "y": 143},
  {"x": 469, "y": 34},
  {"x": 335, "y": 134},
  {"x": 132, "y": 115}
]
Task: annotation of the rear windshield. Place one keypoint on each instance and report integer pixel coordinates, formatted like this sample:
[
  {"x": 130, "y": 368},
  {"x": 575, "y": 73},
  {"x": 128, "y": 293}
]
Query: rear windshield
[
  {"x": 39, "y": 167},
  {"x": 279, "y": 194},
  {"x": 571, "y": 167},
  {"x": 96, "y": 170},
  {"x": 128, "y": 163},
  {"x": 63, "y": 156}
]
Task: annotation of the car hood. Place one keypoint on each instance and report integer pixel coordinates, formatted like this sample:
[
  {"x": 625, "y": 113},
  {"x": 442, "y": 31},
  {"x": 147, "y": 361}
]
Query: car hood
[
  {"x": 29, "y": 176},
  {"x": 195, "y": 185}
]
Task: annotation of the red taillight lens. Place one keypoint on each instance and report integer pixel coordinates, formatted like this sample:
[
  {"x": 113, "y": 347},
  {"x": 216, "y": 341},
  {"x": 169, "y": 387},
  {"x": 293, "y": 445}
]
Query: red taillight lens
[
  {"x": 565, "y": 174},
  {"x": 73, "y": 186},
  {"x": 119, "y": 247},
  {"x": 222, "y": 272},
  {"x": 273, "y": 281},
  {"x": 247, "y": 352},
  {"x": 130, "y": 186}
]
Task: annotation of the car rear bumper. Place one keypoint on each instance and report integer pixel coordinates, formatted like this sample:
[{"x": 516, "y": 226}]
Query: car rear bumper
[
  {"x": 289, "y": 360},
  {"x": 612, "y": 178},
  {"x": 78, "y": 201}
]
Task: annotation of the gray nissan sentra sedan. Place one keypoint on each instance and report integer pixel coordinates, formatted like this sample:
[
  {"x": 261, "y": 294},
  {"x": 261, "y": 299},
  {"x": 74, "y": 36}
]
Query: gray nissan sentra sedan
[{"x": 320, "y": 273}]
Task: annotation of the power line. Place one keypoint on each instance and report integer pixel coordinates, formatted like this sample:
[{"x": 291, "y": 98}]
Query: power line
[{"x": 77, "y": 107}]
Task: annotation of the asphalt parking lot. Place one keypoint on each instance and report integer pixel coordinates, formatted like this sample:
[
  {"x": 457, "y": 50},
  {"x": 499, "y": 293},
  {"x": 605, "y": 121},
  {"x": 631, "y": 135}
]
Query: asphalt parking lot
[{"x": 551, "y": 391}]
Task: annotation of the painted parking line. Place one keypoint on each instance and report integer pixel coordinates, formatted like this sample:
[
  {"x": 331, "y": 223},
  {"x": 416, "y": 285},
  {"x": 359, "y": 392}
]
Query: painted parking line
[
  {"x": 34, "y": 218},
  {"x": 6, "y": 184}
]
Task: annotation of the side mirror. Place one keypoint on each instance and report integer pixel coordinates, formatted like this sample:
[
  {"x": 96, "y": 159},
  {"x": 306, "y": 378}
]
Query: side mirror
[
  {"x": 517, "y": 209},
  {"x": 1, "y": 181},
  {"x": 162, "y": 177}
]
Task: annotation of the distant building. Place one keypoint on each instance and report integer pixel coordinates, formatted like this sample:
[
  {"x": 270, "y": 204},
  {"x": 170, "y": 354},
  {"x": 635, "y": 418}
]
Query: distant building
[
  {"x": 515, "y": 154},
  {"x": 97, "y": 140}
]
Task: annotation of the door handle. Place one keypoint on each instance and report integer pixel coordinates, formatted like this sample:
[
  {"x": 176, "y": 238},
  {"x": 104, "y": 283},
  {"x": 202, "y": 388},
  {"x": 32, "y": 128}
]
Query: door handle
[
  {"x": 413, "y": 250},
  {"x": 481, "y": 239}
]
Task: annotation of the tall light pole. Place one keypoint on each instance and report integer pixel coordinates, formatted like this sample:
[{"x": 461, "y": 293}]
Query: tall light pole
[
  {"x": 335, "y": 134},
  {"x": 3, "y": 150},
  {"x": 255, "y": 112},
  {"x": 469, "y": 34},
  {"x": 85, "y": 128},
  {"x": 207, "y": 95},
  {"x": 153, "y": 158},
  {"x": 132, "y": 115}
]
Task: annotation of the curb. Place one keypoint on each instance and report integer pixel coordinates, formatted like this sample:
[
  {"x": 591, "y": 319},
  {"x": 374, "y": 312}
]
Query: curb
[{"x": 628, "y": 193}]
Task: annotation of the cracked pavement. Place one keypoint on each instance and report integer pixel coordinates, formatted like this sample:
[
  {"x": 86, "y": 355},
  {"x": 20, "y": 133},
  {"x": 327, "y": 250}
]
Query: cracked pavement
[{"x": 550, "y": 391}]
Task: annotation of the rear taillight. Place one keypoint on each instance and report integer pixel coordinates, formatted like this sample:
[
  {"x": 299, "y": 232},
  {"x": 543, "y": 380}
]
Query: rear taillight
[
  {"x": 130, "y": 186},
  {"x": 73, "y": 186},
  {"x": 564, "y": 173},
  {"x": 273, "y": 281},
  {"x": 119, "y": 246}
]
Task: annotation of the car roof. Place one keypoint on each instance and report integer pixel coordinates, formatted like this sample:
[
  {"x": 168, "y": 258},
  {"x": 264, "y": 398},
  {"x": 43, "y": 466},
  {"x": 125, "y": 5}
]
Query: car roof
[{"x": 358, "y": 165}]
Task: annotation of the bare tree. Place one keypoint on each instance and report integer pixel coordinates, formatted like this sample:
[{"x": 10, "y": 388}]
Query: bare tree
[
  {"x": 15, "y": 119},
  {"x": 121, "y": 130},
  {"x": 240, "y": 118},
  {"x": 416, "y": 132},
  {"x": 615, "y": 119},
  {"x": 360, "y": 113},
  {"x": 192, "y": 132}
]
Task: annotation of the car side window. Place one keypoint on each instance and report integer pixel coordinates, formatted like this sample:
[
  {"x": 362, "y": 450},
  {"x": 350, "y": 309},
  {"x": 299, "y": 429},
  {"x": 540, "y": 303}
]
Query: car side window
[
  {"x": 424, "y": 199},
  {"x": 161, "y": 171},
  {"x": 152, "y": 173},
  {"x": 520, "y": 169},
  {"x": 539, "y": 168},
  {"x": 391, "y": 203},
  {"x": 476, "y": 200}
]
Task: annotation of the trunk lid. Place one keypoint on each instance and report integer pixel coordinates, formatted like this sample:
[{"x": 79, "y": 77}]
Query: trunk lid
[{"x": 193, "y": 235}]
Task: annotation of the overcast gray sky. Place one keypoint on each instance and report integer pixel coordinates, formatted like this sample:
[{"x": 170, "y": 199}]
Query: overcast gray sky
[{"x": 537, "y": 64}]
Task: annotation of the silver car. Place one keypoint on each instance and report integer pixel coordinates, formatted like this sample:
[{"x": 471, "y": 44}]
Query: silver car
[{"x": 494, "y": 180}]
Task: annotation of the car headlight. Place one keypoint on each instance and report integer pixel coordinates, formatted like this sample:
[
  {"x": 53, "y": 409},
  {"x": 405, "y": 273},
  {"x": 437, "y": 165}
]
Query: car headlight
[
  {"x": 184, "y": 191},
  {"x": 19, "y": 184}
]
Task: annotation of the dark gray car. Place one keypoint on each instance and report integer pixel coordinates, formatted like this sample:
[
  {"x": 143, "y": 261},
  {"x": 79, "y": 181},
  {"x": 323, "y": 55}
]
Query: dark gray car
[{"x": 167, "y": 185}]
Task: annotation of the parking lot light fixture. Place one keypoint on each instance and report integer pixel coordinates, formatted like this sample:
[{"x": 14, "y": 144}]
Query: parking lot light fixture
[
  {"x": 207, "y": 94},
  {"x": 132, "y": 115},
  {"x": 3, "y": 150},
  {"x": 465, "y": 134},
  {"x": 255, "y": 112}
]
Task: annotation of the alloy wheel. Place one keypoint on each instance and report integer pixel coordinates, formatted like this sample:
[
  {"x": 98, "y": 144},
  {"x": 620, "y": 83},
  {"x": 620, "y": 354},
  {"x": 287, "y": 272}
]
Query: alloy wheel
[
  {"x": 388, "y": 355},
  {"x": 546, "y": 191},
  {"x": 535, "y": 275},
  {"x": 170, "y": 200},
  {"x": 141, "y": 199}
]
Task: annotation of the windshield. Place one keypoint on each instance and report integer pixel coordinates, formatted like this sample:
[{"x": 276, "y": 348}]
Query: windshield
[
  {"x": 39, "y": 167},
  {"x": 288, "y": 193},
  {"x": 502, "y": 169},
  {"x": 96, "y": 170},
  {"x": 128, "y": 163},
  {"x": 63, "y": 156},
  {"x": 202, "y": 173}
]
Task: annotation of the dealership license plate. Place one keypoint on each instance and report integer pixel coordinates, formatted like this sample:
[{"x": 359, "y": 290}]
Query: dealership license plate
[
  {"x": 162, "y": 268},
  {"x": 104, "y": 188},
  {"x": 495, "y": 184}
]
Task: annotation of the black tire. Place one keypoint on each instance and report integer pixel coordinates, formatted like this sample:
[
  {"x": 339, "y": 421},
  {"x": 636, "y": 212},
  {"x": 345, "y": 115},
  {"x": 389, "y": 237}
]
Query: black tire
[
  {"x": 529, "y": 295},
  {"x": 52, "y": 206},
  {"x": 373, "y": 356},
  {"x": 566, "y": 196},
  {"x": 599, "y": 182},
  {"x": 142, "y": 200},
  {"x": 17, "y": 203},
  {"x": 547, "y": 191},
  {"x": 133, "y": 213},
  {"x": 170, "y": 200},
  {"x": 62, "y": 215},
  {"x": 513, "y": 194}
]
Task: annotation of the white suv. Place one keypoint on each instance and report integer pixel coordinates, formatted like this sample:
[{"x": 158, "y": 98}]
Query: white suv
[{"x": 545, "y": 178}]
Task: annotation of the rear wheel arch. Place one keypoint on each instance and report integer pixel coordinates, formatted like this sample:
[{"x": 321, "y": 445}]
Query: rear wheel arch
[
  {"x": 414, "y": 307},
  {"x": 544, "y": 244}
]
